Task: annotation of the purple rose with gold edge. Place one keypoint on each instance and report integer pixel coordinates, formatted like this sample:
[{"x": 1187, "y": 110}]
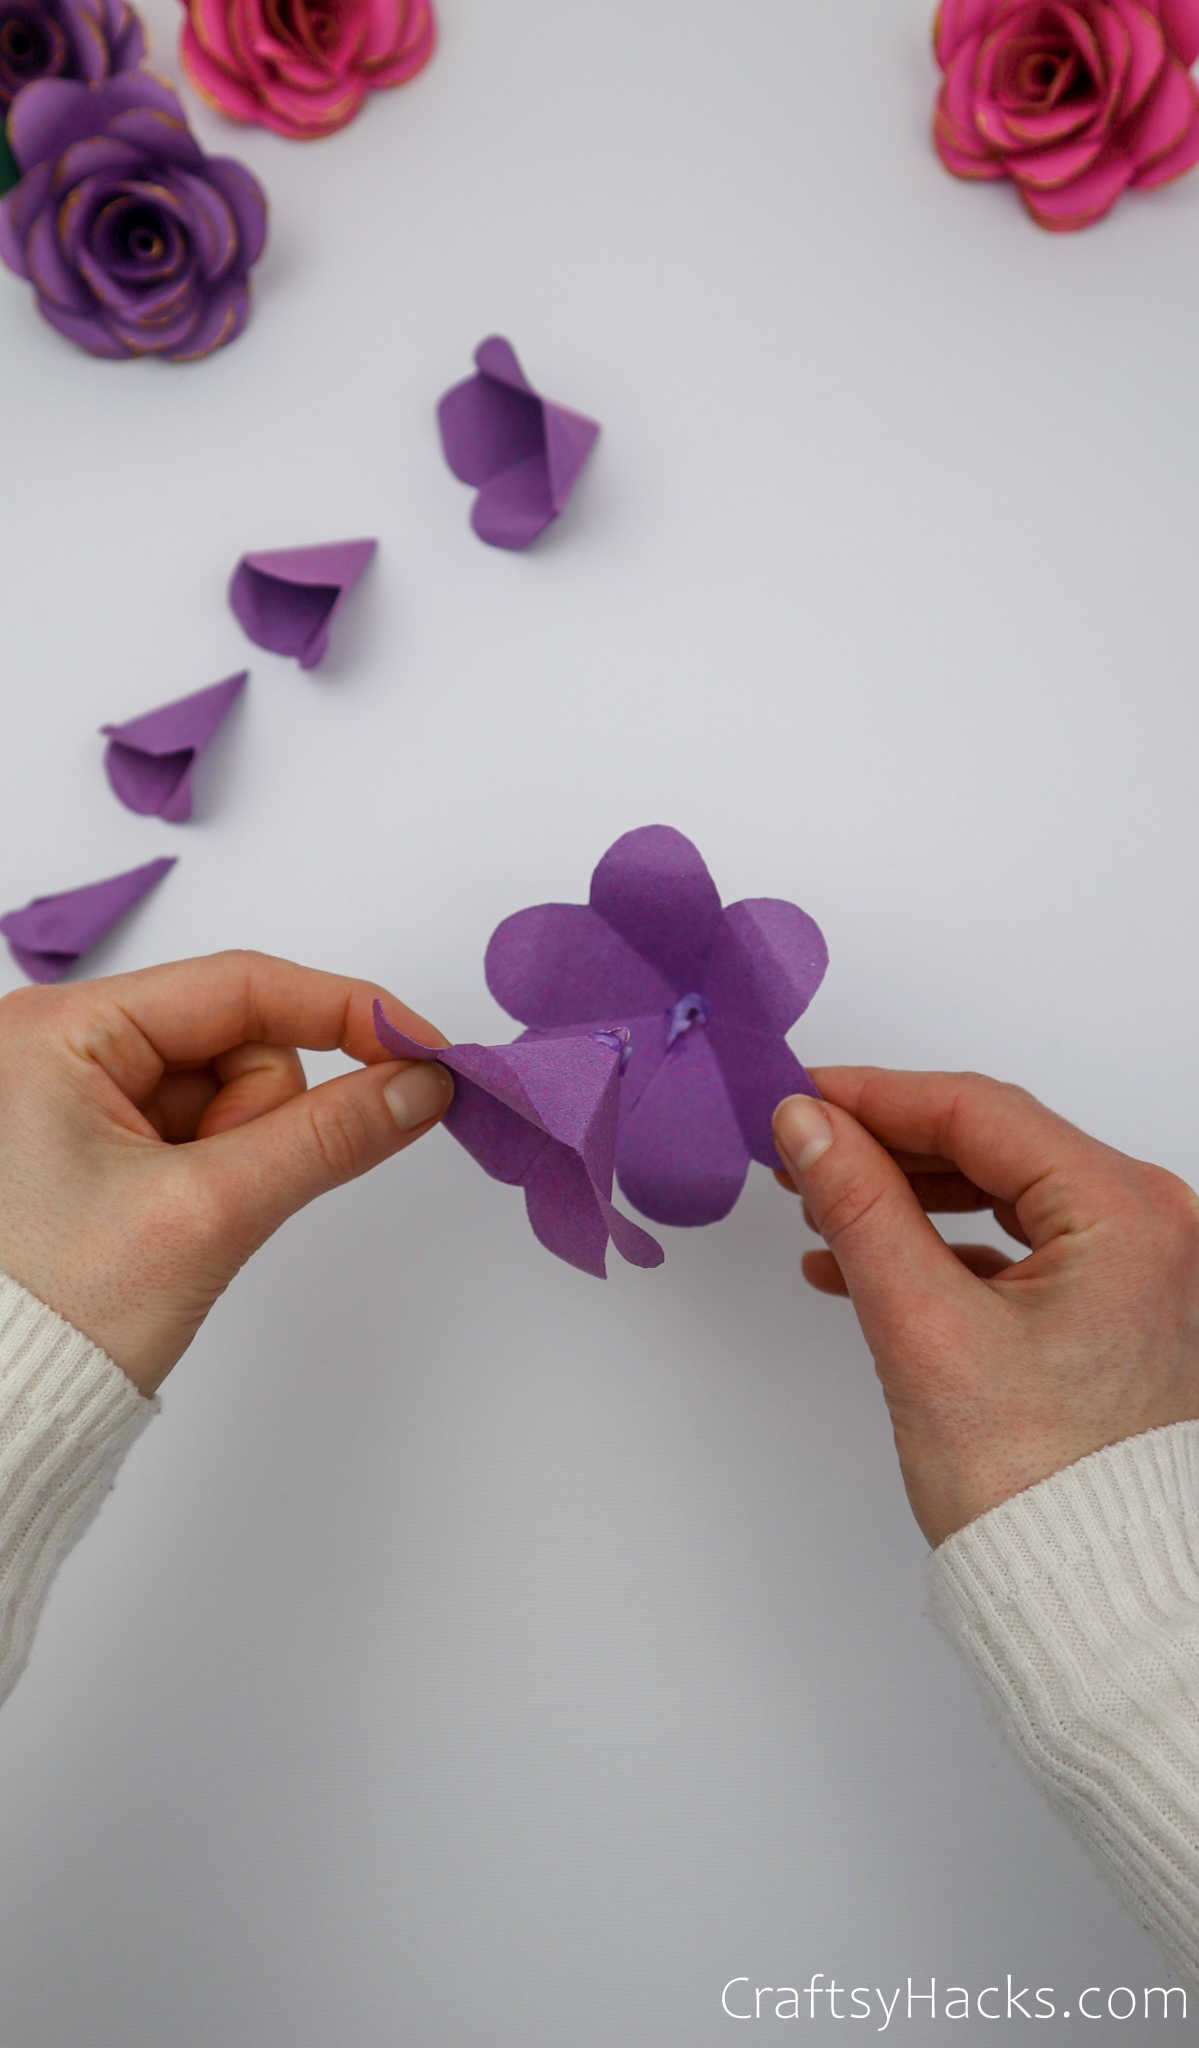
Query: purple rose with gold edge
[
  {"x": 65, "y": 39},
  {"x": 134, "y": 241}
]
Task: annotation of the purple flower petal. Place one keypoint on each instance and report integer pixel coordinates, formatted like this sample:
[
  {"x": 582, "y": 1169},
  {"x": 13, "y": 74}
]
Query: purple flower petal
[
  {"x": 485, "y": 430},
  {"x": 758, "y": 1072},
  {"x": 18, "y": 210},
  {"x": 645, "y": 1046},
  {"x": 653, "y": 888},
  {"x": 496, "y": 360},
  {"x": 47, "y": 117},
  {"x": 158, "y": 133},
  {"x": 86, "y": 331},
  {"x": 155, "y": 786},
  {"x": 211, "y": 221},
  {"x": 768, "y": 960},
  {"x": 560, "y": 963},
  {"x": 91, "y": 155},
  {"x": 52, "y": 113},
  {"x": 635, "y": 1245},
  {"x": 513, "y": 508},
  {"x": 245, "y": 196},
  {"x": 499, "y": 1139},
  {"x": 563, "y": 1211},
  {"x": 681, "y": 1157},
  {"x": 49, "y": 272}
]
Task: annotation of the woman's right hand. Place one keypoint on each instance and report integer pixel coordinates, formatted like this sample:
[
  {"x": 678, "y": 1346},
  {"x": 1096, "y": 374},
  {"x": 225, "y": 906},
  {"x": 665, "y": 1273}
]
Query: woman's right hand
[{"x": 998, "y": 1370}]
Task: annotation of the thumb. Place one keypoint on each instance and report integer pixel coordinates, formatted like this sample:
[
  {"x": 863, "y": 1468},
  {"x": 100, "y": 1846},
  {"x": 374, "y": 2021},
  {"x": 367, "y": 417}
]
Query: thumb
[
  {"x": 262, "y": 1172},
  {"x": 864, "y": 1208}
]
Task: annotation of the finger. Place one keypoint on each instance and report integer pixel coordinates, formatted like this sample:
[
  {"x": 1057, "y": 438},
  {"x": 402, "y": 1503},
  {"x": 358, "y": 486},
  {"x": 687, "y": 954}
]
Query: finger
[
  {"x": 920, "y": 1162},
  {"x": 251, "y": 1080},
  {"x": 178, "y": 1103},
  {"x": 1055, "y": 1177},
  {"x": 135, "y": 1024},
  {"x": 942, "y": 1193},
  {"x": 954, "y": 1195},
  {"x": 821, "y": 1271},
  {"x": 911, "y": 1162},
  {"x": 892, "y": 1258},
  {"x": 261, "y": 1173}
]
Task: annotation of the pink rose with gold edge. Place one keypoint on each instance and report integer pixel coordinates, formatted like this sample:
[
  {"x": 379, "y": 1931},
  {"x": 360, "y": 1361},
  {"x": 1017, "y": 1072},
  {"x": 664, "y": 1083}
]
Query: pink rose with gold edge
[
  {"x": 1073, "y": 102},
  {"x": 303, "y": 67}
]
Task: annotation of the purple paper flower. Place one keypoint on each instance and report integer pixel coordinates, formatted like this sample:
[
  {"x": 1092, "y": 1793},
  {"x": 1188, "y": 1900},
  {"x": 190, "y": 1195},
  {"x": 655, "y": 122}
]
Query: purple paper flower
[
  {"x": 524, "y": 453},
  {"x": 135, "y": 242},
  {"x": 85, "y": 39},
  {"x": 706, "y": 995},
  {"x": 542, "y": 1115}
]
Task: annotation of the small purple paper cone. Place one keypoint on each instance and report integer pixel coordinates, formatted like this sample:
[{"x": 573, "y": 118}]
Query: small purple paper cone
[
  {"x": 524, "y": 453},
  {"x": 50, "y": 934},
  {"x": 286, "y": 600},
  {"x": 149, "y": 760},
  {"x": 542, "y": 1114}
]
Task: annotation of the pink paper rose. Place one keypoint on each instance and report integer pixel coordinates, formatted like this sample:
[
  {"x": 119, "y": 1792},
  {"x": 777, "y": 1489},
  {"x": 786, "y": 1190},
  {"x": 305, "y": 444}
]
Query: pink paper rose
[
  {"x": 303, "y": 67},
  {"x": 1071, "y": 99}
]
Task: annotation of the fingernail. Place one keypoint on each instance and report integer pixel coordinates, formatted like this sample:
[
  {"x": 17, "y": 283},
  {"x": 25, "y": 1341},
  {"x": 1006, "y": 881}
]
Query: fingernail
[
  {"x": 803, "y": 1131},
  {"x": 419, "y": 1092}
]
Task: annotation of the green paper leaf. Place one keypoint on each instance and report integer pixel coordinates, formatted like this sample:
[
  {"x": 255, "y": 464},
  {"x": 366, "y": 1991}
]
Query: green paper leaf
[{"x": 9, "y": 174}]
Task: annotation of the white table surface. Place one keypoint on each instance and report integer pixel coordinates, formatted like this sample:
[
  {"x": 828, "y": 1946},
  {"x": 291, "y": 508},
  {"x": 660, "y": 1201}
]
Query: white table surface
[{"x": 472, "y": 1653}]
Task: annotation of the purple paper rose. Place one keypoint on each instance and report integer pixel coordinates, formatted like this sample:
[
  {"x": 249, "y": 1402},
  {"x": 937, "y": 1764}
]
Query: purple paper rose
[
  {"x": 135, "y": 242},
  {"x": 705, "y": 994},
  {"x": 65, "y": 39}
]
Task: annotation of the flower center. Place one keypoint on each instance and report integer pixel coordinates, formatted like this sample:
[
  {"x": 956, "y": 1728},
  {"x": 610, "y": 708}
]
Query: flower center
[
  {"x": 1041, "y": 69},
  {"x": 311, "y": 28},
  {"x": 685, "y": 1015},
  {"x": 143, "y": 238},
  {"x": 620, "y": 1038},
  {"x": 21, "y": 46}
]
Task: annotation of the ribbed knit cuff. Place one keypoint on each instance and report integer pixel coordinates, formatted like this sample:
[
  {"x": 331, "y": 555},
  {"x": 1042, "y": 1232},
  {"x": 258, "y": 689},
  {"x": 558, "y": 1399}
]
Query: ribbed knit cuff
[
  {"x": 68, "y": 1415},
  {"x": 1077, "y": 1605}
]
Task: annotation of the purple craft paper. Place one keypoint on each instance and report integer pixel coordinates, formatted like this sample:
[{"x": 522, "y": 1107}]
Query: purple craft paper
[
  {"x": 53, "y": 932},
  {"x": 706, "y": 995},
  {"x": 542, "y": 1115},
  {"x": 149, "y": 760},
  {"x": 286, "y": 601},
  {"x": 524, "y": 453}
]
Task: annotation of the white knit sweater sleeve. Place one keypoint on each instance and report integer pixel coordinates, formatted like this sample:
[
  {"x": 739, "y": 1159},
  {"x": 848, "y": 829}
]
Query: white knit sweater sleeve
[
  {"x": 1077, "y": 1604},
  {"x": 67, "y": 1417}
]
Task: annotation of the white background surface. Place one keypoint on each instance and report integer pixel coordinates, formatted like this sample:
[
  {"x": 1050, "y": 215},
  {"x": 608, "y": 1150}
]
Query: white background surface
[{"x": 472, "y": 1653}]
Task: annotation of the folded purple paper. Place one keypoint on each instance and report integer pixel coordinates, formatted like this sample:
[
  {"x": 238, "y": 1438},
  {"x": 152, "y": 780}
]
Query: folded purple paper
[
  {"x": 149, "y": 760},
  {"x": 706, "y": 995},
  {"x": 523, "y": 452},
  {"x": 542, "y": 1115},
  {"x": 287, "y": 600},
  {"x": 53, "y": 932}
]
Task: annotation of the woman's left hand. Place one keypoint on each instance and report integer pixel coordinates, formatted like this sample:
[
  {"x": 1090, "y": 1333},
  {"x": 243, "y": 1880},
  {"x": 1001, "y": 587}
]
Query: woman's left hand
[{"x": 156, "y": 1128}]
